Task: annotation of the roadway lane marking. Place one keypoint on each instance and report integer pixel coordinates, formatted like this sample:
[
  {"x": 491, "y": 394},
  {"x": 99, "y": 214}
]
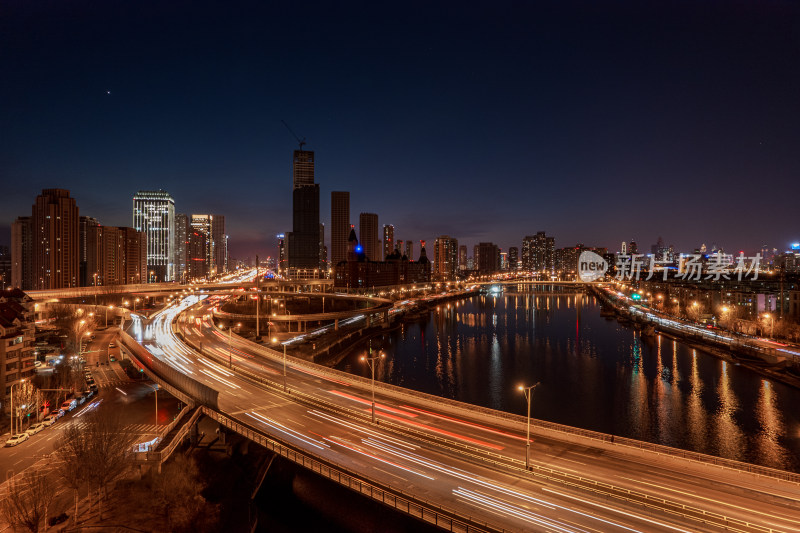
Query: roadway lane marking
[
  {"x": 367, "y": 454},
  {"x": 560, "y": 458},
  {"x": 465, "y": 423},
  {"x": 444, "y": 432},
  {"x": 620, "y": 511},
  {"x": 695, "y": 495},
  {"x": 122, "y": 391},
  {"x": 380, "y": 406}
]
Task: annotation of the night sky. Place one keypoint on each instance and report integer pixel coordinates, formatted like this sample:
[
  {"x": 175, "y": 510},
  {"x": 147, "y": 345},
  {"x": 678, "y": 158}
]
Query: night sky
[{"x": 595, "y": 121}]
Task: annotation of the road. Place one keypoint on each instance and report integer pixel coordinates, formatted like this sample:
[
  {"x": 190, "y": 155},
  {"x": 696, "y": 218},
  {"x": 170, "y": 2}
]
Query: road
[
  {"x": 463, "y": 464},
  {"x": 134, "y": 399}
]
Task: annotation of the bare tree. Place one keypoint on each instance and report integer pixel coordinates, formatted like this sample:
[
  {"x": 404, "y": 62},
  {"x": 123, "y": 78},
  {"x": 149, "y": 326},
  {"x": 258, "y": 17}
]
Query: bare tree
[
  {"x": 177, "y": 492},
  {"x": 28, "y": 500},
  {"x": 74, "y": 465},
  {"x": 110, "y": 448}
]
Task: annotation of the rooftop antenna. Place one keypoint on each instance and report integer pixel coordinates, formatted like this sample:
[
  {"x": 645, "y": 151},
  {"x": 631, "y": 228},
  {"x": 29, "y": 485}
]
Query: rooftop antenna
[{"x": 299, "y": 141}]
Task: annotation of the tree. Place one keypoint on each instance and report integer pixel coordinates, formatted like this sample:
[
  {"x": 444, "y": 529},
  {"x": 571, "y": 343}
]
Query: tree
[
  {"x": 74, "y": 465},
  {"x": 177, "y": 491},
  {"x": 110, "y": 448},
  {"x": 95, "y": 455},
  {"x": 27, "y": 501}
]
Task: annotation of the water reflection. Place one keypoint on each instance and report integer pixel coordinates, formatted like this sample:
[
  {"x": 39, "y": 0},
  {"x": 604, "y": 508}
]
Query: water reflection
[{"x": 595, "y": 373}]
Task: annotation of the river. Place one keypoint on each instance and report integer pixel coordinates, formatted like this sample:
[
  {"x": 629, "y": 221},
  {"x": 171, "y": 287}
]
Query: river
[{"x": 594, "y": 373}]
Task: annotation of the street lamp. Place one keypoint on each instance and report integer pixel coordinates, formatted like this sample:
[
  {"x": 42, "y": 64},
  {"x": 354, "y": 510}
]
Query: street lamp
[
  {"x": 155, "y": 390},
  {"x": 528, "y": 391},
  {"x": 230, "y": 350},
  {"x": 771, "y": 323},
  {"x": 80, "y": 343},
  {"x": 134, "y": 304},
  {"x": 371, "y": 361},
  {"x": 12, "y": 404},
  {"x": 107, "y": 308}
]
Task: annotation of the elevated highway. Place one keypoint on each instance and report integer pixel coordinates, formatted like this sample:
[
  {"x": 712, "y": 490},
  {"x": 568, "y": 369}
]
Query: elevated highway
[{"x": 457, "y": 465}]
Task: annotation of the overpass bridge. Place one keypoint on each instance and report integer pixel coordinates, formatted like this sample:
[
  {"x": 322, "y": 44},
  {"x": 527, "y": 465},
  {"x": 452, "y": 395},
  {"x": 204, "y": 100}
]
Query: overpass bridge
[
  {"x": 311, "y": 285},
  {"x": 456, "y": 465}
]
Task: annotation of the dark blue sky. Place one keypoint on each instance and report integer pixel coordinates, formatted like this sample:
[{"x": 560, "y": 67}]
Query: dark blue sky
[{"x": 595, "y": 121}]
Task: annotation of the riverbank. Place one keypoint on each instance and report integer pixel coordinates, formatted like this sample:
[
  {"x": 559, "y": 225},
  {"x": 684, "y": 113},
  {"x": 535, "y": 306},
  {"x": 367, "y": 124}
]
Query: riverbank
[{"x": 783, "y": 371}]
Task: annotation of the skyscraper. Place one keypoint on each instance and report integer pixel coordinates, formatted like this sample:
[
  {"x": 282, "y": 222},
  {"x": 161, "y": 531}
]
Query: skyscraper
[
  {"x": 409, "y": 250},
  {"x": 22, "y": 253},
  {"x": 118, "y": 255},
  {"x": 182, "y": 229},
  {"x": 445, "y": 254},
  {"x": 154, "y": 214},
  {"x": 340, "y": 225},
  {"x": 302, "y": 168},
  {"x": 86, "y": 277},
  {"x": 513, "y": 258},
  {"x": 462, "y": 257},
  {"x": 323, "y": 250},
  {"x": 368, "y": 235},
  {"x": 304, "y": 238},
  {"x": 219, "y": 245},
  {"x": 55, "y": 240},
  {"x": 488, "y": 257},
  {"x": 388, "y": 240}
]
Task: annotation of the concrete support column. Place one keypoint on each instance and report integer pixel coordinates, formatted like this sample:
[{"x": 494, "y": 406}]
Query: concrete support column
[{"x": 336, "y": 324}]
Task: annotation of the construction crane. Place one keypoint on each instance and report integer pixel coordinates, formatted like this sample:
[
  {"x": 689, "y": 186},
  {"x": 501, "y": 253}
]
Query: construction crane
[{"x": 299, "y": 141}]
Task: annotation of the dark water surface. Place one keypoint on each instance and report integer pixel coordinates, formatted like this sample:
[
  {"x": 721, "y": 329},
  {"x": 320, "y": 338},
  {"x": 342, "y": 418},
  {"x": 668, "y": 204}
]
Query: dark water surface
[{"x": 595, "y": 374}]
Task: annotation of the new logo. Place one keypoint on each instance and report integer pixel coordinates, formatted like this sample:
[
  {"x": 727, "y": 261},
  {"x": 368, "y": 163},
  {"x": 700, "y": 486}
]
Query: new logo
[{"x": 591, "y": 266}]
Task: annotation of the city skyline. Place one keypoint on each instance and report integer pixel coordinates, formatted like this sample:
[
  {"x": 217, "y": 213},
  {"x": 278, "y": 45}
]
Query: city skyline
[{"x": 656, "y": 122}]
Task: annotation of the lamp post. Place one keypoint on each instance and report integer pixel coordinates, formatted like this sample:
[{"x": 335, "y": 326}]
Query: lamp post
[
  {"x": 771, "y": 323},
  {"x": 230, "y": 339},
  {"x": 107, "y": 308},
  {"x": 12, "y": 404},
  {"x": 528, "y": 391},
  {"x": 155, "y": 390},
  {"x": 371, "y": 361},
  {"x": 134, "y": 304}
]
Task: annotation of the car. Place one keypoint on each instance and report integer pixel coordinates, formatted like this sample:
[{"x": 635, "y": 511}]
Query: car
[
  {"x": 59, "y": 413},
  {"x": 81, "y": 399},
  {"x": 112, "y": 345},
  {"x": 69, "y": 405},
  {"x": 34, "y": 429},
  {"x": 93, "y": 387},
  {"x": 49, "y": 420},
  {"x": 88, "y": 394},
  {"x": 16, "y": 439}
]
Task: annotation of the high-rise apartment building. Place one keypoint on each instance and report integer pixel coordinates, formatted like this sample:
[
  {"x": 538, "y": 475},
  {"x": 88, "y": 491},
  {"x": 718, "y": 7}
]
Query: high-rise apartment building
[
  {"x": 283, "y": 255},
  {"x": 182, "y": 229},
  {"x": 445, "y": 254},
  {"x": 513, "y": 258},
  {"x": 368, "y": 235},
  {"x": 86, "y": 277},
  {"x": 115, "y": 255},
  {"x": 304, "y": 238},
  {"x": 340, "y": 225},
  {"x": 219, "y": 245},
  {"x": 462, "y": 257},
  {"x": 487, "y": 255},
  {"x": 196, "y": 254},
  {"x": 55, "y": 235},
  {"x": 216, "y": 254},
  {"x": 323, "y": 250},
  {"x": 409, "y": 250},
  {"x": 154, "y": 214},
  {"x": 388, "y": 240},
  {"x": 538, "y": 253},
  {"x": 22, "y": 253}
]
